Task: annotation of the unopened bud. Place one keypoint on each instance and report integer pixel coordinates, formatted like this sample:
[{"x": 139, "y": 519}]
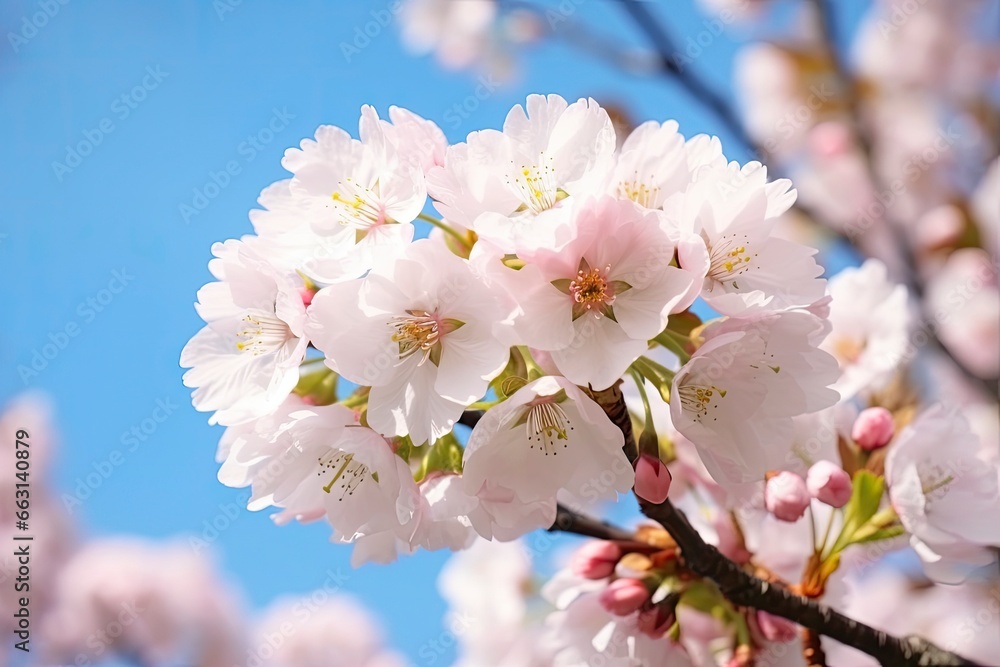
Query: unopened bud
[
  {"x": 596, "y": 560},
  {"x": 873, "y": 429},
  {"x": 786, "y": 496},
  {"x": 652, "y": 479},
  {"x": 828, "y": 483},
  {"x": 624, "y": 596}
]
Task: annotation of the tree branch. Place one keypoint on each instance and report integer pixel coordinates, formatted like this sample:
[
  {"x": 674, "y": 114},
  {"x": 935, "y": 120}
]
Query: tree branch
[
  {"x": 664, "y": 45},
  {"x": 743, "y": 588},
  {"x": 470, "y": 418},
  {"x": 826, "y": 20},
  {"x": 746, "y": 590},
  {"x": 666, "y": 49},
  {"x": 568, "y": 521}
]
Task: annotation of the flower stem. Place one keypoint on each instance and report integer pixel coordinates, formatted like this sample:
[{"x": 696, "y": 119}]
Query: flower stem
[
  {"x": 443, "y": 227},
  {"x": 674, "y": 342}
]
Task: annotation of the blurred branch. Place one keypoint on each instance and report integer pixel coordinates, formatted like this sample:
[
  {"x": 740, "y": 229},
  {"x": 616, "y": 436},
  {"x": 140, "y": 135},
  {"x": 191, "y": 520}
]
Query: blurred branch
[
  {"x": 581, "y": 37},
  {"x": 665, "y": 48},
  {"x": 812, "y": 648},
  {"x": 719, "y": 105},
  {"x": 646, "y": 21},
  {"x": 826, "y": 21},
  {"x": 568, "y": 521}
]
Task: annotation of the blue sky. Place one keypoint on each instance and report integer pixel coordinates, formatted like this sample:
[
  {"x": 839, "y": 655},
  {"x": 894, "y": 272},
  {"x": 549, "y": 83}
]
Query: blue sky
[{"x": 114, "y": 116}]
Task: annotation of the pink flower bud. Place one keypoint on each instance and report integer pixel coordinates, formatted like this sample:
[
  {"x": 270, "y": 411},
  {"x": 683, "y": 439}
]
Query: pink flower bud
[
  {"x": 786, "y": 496},
  {"x": 873, "y": 429},
  {"x": 652, "y": 479},
  {"x": 775, "y": 628},
  {"x": 828, "y": 483},
  {"x": 623, "y": 596},
  {"x": 596, "y": 559}
]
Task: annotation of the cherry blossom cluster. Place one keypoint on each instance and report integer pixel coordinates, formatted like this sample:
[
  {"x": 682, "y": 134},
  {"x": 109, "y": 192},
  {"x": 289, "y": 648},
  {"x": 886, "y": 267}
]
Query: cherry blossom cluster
[{"x": 340, "y": 353}]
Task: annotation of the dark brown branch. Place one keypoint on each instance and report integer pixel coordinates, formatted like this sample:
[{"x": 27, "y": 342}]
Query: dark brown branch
[
  {"x": 568, "y": 521},
  {"x": 612, "y": 401},
  {"x": 745, "y": 589},
  {"x": 470, "y": 418},
  {"x": 812, "y": 649}
]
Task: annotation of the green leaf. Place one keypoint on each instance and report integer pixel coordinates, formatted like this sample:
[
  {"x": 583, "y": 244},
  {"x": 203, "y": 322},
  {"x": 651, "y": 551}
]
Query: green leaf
[
  {"x": 877, "y": 534},
  {"x": 863, "y": 505},
  {"x": 513, "y": 262},
  {"x": 884, "y": 525},
  {"x": 320, "y": 385},
  {"x": 661, "y": 377},
  {"x": 404, "y": 448},
  {"x": 510, "y": 385},
  {"x": 674, "y": 346}
]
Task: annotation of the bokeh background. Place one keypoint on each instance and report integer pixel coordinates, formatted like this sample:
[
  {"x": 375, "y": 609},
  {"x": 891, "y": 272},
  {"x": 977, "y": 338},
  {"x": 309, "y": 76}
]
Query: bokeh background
[{"x": 137, "y": 134}]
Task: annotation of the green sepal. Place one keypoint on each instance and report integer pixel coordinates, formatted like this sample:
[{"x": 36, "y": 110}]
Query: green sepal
[
  {"x": 562, "y": 284},
  {"x": 319, "y": 385},
  {"x": 883, "y": 526},
  {"x": 512, "y": 262},
  {"x": 866, "y": 497},
  {"x": 445, "y": 455}
]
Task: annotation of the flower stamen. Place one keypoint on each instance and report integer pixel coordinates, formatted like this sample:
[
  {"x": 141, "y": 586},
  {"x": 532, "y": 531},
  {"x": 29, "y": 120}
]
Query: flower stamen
[
  {"x": 263, "y": 333},
  {"x": 546, "y": 423},
  {"x": 730, "y": 258},
  {"x": 346, "y": 470},
  {"x": 536, "y": 185},
  {"x": 700, "y": 399},
  {"x": 358, "y": 206},
  {"x": 421, "y": 332}
]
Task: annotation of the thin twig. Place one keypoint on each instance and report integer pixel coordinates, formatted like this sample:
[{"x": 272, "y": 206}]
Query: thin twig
[{"x": 661, "y": 40}]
